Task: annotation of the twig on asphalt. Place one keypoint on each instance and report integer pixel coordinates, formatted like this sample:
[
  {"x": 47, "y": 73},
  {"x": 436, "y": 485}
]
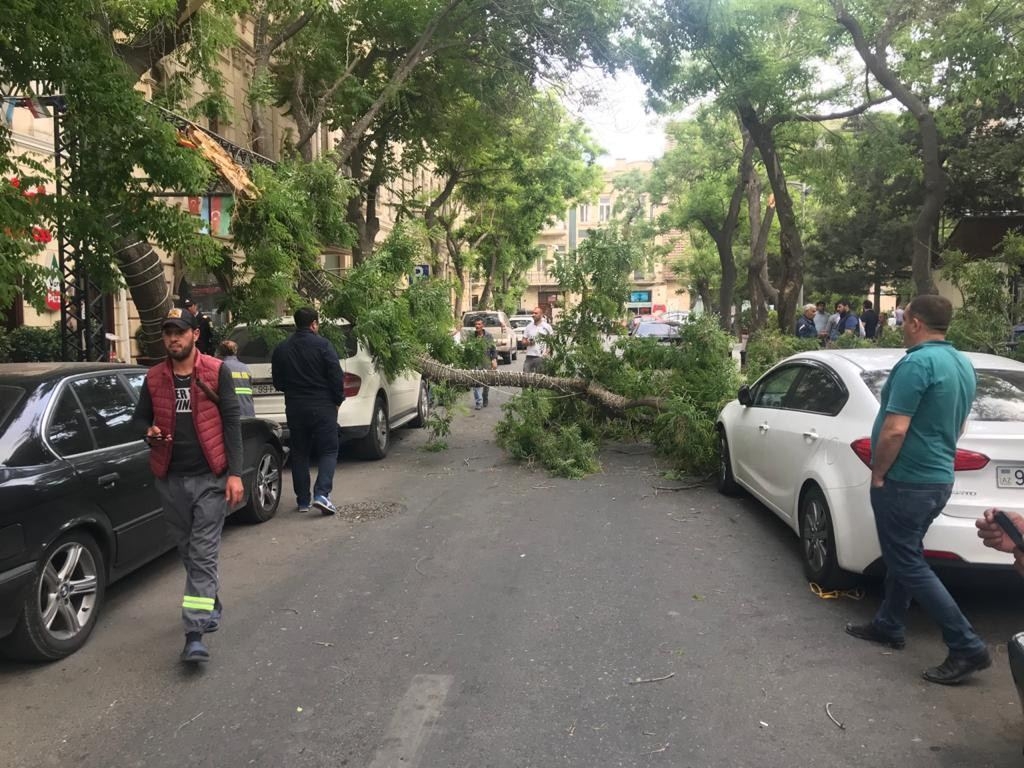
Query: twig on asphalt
[
  {"x": 417, "y": 565},
  {"x": 828, "y": 711},
  {"x": 684, "y": 520},
  {"x": 290, "y": 610},
  {"x": 687, "y": 487},
  {"x": 572, "y": 728},
  {"x": 187, "y": 722},
  {"x": 638, "y": 681},
  {"x": 321, "y": 642},
  {"x": 765, "y": 694},
  {"x": 656, "y": 751}
]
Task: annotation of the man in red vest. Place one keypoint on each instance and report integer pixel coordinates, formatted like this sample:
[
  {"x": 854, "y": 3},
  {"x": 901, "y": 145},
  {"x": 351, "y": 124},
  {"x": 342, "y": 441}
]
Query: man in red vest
[{"x": 191, "y": 416}]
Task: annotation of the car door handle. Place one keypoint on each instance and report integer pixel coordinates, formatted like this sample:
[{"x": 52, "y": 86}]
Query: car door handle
[
  {"x": 105, "y": 480},
  {"x": 811, "y": 435},
  {"x": 763, "y": 427}
]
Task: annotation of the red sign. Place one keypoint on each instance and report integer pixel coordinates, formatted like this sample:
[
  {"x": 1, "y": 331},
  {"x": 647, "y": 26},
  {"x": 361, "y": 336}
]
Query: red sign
[
  {"x": 658, "y": 308},
  {"x": 53, "y": 287}
]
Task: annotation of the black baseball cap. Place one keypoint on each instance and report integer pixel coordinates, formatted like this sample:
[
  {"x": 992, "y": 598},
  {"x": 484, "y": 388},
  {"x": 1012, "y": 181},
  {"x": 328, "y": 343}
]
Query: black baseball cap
[
  {"x": 180, "y": 318},
  {"x": 189, "y": 303}
]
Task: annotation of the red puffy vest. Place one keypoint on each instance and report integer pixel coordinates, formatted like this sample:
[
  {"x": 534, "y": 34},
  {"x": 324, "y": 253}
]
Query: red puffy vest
[{"x": 205, "y": 414}]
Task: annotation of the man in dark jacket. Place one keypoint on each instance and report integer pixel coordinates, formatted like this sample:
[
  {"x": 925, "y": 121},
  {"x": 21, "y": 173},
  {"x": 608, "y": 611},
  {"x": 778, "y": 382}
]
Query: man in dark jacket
[
  {"x": 805, "y": 328},
  {"x": 205, "y": 342},
  {"x": 869, "y": 317},
  {"x": 306, "y": 368},
  {"x": 189, "y": 412}
]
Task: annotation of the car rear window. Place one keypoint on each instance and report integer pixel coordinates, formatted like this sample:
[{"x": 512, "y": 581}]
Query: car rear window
[
  {"x": 656, "y": 329},
  {"x": 256, "y": 344},
  {"x": 10, "y": 396},
  {"x": 491, "y": 319},
  {"x": 520, "y": 322},
  {"x": 1000, "y": 394}
]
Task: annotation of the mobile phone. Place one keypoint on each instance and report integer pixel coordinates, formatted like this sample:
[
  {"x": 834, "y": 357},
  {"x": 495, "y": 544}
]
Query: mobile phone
[{"x": 1009, "y": 528}]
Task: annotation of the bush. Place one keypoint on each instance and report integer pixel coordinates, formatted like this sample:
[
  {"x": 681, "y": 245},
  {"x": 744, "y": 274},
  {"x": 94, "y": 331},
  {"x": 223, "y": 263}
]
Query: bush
[
  {"x": 5, "y": 347},
  {"x": 890, "y": 337},
  {"x": 768, "y": 346},
  {"x": 33, "y": 345}
]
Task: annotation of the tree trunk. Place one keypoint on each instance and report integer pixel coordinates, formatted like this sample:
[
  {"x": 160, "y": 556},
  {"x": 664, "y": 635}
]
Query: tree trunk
[
  {"x": 488, "y": 289},
  {"x": 143, "y": 273},
  {"x": 435, "y": 371},
  {"x": 762, "y": 292},
  {"x": 790, "y": 244},
  {"x": 927, "y": 222}
]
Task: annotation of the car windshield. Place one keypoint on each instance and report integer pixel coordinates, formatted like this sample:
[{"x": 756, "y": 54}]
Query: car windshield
[
  {"x": 10, "y": 396},
  {"x": 490, "y": 319},
  {"x": 520, "y": 322},
  {"x": 1000, "y": 395},
  {"x": 656, "y": 329},
  {"x": 256, "y": 344}
]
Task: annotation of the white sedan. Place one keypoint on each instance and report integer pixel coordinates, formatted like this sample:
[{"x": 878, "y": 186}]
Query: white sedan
[
  {"x": 374, "y": 404},
  {"x": 798, "y": 439}
]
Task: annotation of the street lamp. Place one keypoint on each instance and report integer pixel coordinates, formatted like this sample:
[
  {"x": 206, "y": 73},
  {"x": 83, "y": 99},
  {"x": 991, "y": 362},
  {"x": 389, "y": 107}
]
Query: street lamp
[{"x": 804, "y": 189}]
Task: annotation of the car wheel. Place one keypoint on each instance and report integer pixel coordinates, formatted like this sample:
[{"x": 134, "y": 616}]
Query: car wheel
[
  {"x": 515, "y": 353},
  {"x": 375, "y": 445},
  {"x": 60, "y": 607},
  {"x": 266, "y": 488},
  {"x": 422, "y": 408},
  {"x": 818, "y": 542},
  {"x": 726, "y": 482}
]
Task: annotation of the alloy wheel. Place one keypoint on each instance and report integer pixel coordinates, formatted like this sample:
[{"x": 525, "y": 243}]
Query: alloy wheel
[
  {"x": 268, "y": 482},
  {"x": 815, "y": 534},
  {"x": 68, "y": 591}
]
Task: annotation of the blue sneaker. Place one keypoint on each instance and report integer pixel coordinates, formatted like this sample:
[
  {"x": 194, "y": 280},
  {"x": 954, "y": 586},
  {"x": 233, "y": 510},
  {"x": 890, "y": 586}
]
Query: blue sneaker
[
  {"x": 325, "y": 505},
  {"x": 195, "y": 651},
  {"x": 303, "y": 508}
]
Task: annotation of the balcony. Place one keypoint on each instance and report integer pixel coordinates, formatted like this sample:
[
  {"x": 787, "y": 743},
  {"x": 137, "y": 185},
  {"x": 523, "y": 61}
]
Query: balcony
[{"x": 540, "y": 277}]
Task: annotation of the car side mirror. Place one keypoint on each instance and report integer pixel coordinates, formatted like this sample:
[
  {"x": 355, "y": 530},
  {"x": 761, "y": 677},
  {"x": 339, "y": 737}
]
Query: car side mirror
[{"x": 744, "y": 396}]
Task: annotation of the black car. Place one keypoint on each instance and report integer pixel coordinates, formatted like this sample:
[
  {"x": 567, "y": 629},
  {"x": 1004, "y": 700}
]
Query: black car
[{"x": 78, "y": 506}]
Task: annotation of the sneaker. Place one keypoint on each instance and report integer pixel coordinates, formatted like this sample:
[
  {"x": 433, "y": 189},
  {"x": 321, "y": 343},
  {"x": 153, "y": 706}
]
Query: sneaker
[
  {"x": 325, "y": 505},
  {"x": 956, "y": 669},
  {"x": 195, "y": 651},
  {"x": 303, "y": 508},
  {"x": 477, "y": 407}
]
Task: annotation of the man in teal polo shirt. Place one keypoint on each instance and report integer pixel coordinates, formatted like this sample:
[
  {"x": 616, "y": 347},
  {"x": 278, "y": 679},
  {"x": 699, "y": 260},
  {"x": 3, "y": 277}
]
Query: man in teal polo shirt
[{"x": 924, "y": 406}]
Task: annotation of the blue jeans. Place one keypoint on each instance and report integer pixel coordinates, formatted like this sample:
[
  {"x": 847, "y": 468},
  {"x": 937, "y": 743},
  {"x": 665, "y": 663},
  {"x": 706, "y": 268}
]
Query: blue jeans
[
  {"x": 313, "y": 434},
  {"x": 903, "y": 512},
  {"x": 480, "y": 395}
]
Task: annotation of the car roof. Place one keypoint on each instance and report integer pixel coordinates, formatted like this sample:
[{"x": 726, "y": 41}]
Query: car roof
[
  {"x": 884, "y": 359},
  {"x": 28, "y": 374}
]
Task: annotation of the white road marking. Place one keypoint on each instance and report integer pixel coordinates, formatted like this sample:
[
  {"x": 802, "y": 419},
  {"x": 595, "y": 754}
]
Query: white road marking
[{"x": 414, "y": 721}]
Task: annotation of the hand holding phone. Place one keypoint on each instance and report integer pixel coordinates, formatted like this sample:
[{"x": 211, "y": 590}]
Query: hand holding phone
[{"x": 1011, "y": 530}]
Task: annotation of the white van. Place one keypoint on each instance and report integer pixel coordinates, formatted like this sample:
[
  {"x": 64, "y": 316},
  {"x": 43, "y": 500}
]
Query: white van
[{"x": 374, "y": 404}]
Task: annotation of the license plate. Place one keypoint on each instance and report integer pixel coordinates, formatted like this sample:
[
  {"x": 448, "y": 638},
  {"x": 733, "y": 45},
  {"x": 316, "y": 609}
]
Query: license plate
[
  {"x": 1010, "y": 477},
  {"x": 264, "y": 389}
]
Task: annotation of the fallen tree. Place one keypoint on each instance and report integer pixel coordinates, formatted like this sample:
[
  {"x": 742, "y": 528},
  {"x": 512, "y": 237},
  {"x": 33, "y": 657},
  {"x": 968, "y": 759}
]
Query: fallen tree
[{"x": 591, "y": 390}]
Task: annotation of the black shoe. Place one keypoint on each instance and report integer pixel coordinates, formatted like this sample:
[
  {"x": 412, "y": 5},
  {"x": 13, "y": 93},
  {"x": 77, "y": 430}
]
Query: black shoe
[
  {"x": 870, "y": 632},
  {"x": 195, "y": 652},
  {"x": 956, "y": 669}
]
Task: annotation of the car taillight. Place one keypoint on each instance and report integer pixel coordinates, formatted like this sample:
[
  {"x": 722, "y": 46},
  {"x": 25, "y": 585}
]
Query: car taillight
[
  {"x": 862, "y": 447},
  {"x": 938, "y": 554},
  {"x": 963, "y": 461},
  {"x": 968, "y": 460},
  {"x": 352, "y": 384}
]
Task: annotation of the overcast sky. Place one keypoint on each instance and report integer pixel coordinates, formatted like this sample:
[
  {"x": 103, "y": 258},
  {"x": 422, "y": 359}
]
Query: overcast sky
[{"x": 614, "y": 111}]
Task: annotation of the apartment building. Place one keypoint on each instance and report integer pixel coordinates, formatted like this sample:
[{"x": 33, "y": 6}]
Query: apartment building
[{"x": 655, "y": 287}]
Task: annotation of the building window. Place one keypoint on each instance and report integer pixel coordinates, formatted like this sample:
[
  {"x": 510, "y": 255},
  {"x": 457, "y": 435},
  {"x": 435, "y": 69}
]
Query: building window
[
  {"x": 604, "y": 211},
  {"x": 584, "y": 213}
]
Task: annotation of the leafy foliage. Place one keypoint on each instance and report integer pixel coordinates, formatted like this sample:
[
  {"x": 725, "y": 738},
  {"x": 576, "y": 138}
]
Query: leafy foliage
[
  {"x": 983, "y": 323},
  {"x": 532, "y": 430},
  {"x": 768, "y": 346}
]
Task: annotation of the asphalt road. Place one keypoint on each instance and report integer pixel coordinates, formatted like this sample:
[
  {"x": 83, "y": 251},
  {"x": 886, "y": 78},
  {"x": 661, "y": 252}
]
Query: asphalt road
[{"x": 469, "y": 612}]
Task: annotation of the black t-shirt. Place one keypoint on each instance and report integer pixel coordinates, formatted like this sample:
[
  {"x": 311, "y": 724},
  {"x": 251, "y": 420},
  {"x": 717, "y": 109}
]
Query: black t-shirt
[
  {"x": 870, "y": 319},
  {"x": 186, "y": 454}
]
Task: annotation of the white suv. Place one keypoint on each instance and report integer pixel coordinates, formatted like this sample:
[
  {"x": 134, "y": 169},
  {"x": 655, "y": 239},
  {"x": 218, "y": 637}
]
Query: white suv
[
  {"x": 374, "y": 404},
  {"x": 497, "y": 324}
]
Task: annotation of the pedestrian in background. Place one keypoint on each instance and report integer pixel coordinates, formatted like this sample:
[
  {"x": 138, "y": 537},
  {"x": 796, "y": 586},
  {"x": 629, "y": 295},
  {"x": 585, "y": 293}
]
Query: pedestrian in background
[
  {"x": 869, "y": 318},
  {"x": 536, "y": 348},
  {"x": 805, "y": 323},
  {"x": 898, "y": 315},
  {"x": 489, "y": 359},
  {"x": 241, "y": 376},
  {"x": 820, "y": 318},
  {"x": 924, "y": 407},
  {"x": 205, "y": 326},
  {"x": 189, "y": 412},
  {"x": 305, "y": 366},
  {"x": 832, "y": 324}
]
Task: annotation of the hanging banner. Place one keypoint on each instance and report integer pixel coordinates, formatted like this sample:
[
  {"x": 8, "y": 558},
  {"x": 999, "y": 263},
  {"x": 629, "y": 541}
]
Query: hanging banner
[
  {"x": 215, "y": 213},
  {"x": 53, "y": 287}
]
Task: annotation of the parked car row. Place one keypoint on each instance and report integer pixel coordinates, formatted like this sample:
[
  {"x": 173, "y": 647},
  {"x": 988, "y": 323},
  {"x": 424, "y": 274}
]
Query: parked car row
[
  {"x": 78, "y": 506},
  {"x": 798, "y": 440}
]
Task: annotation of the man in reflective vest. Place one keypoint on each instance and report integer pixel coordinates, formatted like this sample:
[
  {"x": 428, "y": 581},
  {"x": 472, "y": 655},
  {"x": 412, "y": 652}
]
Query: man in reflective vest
[
  {"x": 241, "y": 376},
  {"x": 189, "y": 412}
]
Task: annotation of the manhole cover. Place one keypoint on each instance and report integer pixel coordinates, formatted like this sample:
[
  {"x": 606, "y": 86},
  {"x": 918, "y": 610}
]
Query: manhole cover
[{"x": 369, "y": 510}]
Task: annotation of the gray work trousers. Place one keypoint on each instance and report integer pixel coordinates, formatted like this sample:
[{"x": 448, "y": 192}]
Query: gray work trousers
[{"x": 195, "y": 508}]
